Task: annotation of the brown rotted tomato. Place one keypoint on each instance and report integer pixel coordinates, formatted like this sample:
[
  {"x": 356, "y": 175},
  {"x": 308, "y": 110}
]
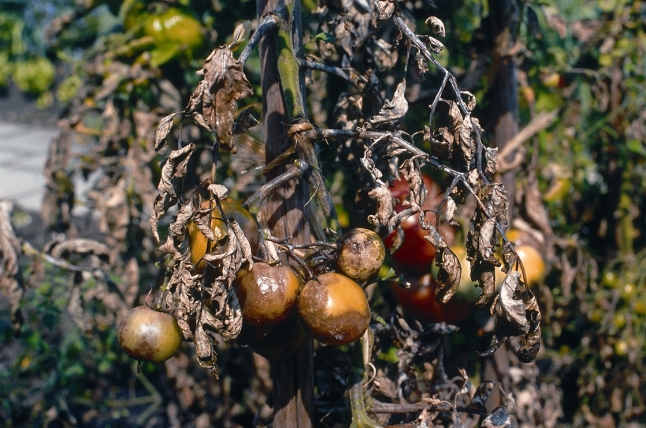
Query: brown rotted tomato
[
  {"x": 200, "y": 244},
  {"x": 334, "y": 309},
  {"x": 149, "y": 335},
  {"x": 362, "y": 254},
  {"x": 414, "y": 252},
  {"x": 266, "y": 293},
  {"x": 418, "y": 301}
]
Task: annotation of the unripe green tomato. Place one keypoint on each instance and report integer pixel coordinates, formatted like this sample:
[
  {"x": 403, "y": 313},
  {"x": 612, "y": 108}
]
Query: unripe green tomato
[
  {"x": 149, "y": 335},
  {"x": 174, "y": 26}
]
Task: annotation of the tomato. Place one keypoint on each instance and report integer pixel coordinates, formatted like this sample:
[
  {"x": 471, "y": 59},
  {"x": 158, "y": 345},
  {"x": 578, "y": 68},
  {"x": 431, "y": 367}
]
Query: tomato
[
  {"x": 415, "y": 253},
  {"x": 418, "y": 301},
  {"x": 529, "y": 252},
  {"x": 174, "y": 26},
  {"x": 149, "y": 335},
  {"x": 362, "y": 254},
  {"x": 200, "y": 245},
  {"x": 334, "y": 309},
  {"x": 266, "y": 293}
]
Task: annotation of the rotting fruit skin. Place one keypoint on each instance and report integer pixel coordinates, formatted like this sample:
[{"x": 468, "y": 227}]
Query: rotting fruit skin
[
  {"x": 199, "y": 243},
  {"x": 362, "y": 254},
  {"x": 266, "y": 293},
  {"x": 334, "y": 309},
  {"x": 149, "y": 335}
]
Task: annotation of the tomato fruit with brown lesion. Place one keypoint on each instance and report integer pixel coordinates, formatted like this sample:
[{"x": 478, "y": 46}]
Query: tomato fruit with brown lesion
[
  {"x": 362, "y": 254},
  {"x": 334, "y": 309},
  {"x": 266, "y": 293},
  {"x": 149, "y": 335}
]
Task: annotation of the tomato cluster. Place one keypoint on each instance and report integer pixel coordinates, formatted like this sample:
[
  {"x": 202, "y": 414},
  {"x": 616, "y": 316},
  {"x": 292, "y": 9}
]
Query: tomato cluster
[{"x": 278, "y": 312}]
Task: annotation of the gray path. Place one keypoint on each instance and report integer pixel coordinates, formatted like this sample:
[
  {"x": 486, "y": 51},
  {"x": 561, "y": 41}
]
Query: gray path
[{"x": 23, "y": 150}]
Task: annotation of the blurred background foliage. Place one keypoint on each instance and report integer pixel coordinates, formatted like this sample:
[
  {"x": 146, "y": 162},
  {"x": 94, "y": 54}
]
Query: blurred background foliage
[{"x": 115, "y": 68}]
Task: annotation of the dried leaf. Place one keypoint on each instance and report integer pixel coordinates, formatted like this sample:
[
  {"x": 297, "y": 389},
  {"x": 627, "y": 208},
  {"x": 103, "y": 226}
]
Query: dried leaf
[
  {"x": 384, "y": 200},
  {"x": 509, "y": 306},
  {"x": 11, "y": 281},
  {"x": 469, "y": 99},
  {"x": 491, "y": 159},
  {"x": 436, "y": 26},
  {"x": 172, "y": 175},
  {"x": 163, "y": 129},
  {"x": 223, "y": 84},
  {"x": 392, "y": 112},
  {"x": 245, "y": 121},
  {"x": 448, "y": 277}
]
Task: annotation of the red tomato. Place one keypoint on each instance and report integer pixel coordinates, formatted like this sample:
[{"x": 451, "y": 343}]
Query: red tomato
[
  {"x": 415, "y": 252},
  {"x": 418, "y": 301}
]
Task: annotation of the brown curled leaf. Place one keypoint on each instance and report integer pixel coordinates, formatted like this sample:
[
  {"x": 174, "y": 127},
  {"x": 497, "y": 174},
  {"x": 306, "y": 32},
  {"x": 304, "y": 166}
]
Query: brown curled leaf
[
  {"x": 448, "y": 277},
  {"x": 436, "y": 26},
  {"x": 442, "y": 143},
  {"x": 486, "y": 241},
  {"x": 163, "y": 129},
  {"x": 169, "y": 186},
  {"x": 511, "y": 307},
  {"x": 245, "y": 121},
  {"x": 393, "y": 111},
  {"x": 466, "y": 140},
  {"x": 484, "y": 273},
  {"x": 530, "y": 345},
  {"x": 215, "y": 98},
  {"x": 469, "y": 99},
  {"x": 491, "y": 159},
  {"x": 384, "y": 200}
]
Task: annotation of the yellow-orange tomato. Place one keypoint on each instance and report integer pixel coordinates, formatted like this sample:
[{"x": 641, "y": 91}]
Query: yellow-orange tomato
[
  {"x": 200, "y": 245},
  {"x": 149, "y": 335},
  {"x": 528, "y": 250},
  {"x": 266, "y": 293},
  {"x": 334, "y": 309}
]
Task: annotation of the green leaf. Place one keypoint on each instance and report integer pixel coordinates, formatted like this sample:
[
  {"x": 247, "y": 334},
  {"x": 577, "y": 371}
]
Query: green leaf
[{"x": 326, "y": 37}]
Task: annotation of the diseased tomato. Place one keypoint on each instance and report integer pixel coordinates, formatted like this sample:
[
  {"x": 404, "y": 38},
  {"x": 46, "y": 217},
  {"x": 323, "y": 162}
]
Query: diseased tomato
[
  {"x": 334, "y": 309},
  {"x": 266, "y": 293},
  {"x": 362, "y": 254},
  {"x": 149, "y": 335}
]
